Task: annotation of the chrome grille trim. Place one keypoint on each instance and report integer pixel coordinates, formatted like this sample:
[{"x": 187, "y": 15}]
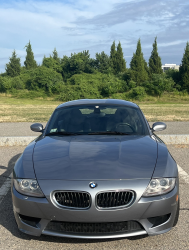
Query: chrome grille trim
[
  {"x": 79, "y": 198},
  {"x": 113, "y": 197}
]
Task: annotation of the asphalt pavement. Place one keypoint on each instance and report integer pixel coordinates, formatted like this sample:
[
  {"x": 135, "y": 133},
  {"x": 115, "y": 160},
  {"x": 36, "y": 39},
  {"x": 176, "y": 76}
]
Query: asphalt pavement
[
  {"x": 11, "y": 238},
  {"x": 23, "y": 128}
]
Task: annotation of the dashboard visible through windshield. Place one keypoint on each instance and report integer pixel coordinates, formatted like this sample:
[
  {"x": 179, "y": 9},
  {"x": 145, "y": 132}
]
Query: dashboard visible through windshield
[{"x": 97, "y": 119}]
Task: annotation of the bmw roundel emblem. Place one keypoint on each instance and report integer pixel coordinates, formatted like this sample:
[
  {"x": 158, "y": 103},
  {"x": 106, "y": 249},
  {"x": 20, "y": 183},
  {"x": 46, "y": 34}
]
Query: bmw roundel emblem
[{"x": 92, "y": 185}]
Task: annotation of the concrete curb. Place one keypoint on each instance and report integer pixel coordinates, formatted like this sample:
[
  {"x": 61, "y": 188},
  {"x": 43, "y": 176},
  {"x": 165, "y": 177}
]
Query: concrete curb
[
  {"x": 25, "y": 140},
  {"x": 174, "y": 139}
]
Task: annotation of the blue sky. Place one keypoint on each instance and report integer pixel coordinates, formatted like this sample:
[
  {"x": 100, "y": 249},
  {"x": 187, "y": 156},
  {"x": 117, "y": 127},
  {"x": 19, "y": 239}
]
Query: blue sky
[{"x": 76, "y": 25}]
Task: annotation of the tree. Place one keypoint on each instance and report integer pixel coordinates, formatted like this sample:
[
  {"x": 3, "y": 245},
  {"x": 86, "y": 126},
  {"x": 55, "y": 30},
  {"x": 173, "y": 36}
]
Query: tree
[
  {"x": 159, "y": 84},
  {"x": 102, "y": 62},
  {"x": 30, "y": 62},
  {"x": 113, "y": 59},
  {"x": 120, "y": 61},
  {"x": 46, "y": 79},
  {"x": 77, "y": 64},
  {"x": 13, "y": 68},
  {"x": 155, "y": 60},
  {"x": 55, "y": 55},
  {"x": 138, "y": 66},
  {"x": 50, "y": 62},
  {"x": 184, "y": 69}
]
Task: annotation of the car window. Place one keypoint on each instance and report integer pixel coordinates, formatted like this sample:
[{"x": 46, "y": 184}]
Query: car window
[{"x": 86, "y": 119}]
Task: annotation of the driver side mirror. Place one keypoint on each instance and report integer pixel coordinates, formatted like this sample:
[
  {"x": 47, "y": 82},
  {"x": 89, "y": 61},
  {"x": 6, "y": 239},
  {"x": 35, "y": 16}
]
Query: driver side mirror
[
  {"x": 158, "y": 126},
  {"x": 37, "y": 127}
]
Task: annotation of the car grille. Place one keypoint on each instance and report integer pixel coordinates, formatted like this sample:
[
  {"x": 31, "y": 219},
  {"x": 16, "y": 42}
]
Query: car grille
[
  {"x": 114, "y": 199},
  {"x": 70, "y": 199},
  {"x": 94, "y": 228}
]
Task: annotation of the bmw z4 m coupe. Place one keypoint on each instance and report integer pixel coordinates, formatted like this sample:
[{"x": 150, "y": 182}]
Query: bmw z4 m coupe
[{"x": 96, "y": 171}]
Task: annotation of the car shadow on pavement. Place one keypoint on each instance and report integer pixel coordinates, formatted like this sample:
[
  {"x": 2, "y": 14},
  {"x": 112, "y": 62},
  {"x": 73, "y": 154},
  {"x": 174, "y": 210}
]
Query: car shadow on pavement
[
  {"x": 8, "y": 222},
  {"x": 9, "y": 168}
]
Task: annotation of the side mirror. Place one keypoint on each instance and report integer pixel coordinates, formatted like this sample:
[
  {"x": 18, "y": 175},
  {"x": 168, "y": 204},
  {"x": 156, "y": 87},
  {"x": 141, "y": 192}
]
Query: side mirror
[
  {"x": 37, "y": 127},
  {"x": 158, "y": 126}
]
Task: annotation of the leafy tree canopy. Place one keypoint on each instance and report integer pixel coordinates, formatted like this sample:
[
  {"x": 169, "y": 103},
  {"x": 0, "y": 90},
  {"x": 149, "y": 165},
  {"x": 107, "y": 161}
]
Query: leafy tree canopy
[
  {"x": 159, "y": 84},
  {"x": 102, "y": 62}
]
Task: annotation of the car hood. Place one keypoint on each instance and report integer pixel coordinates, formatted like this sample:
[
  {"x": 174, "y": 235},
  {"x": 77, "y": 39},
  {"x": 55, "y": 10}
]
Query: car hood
[{"x": 95, "y": 157}]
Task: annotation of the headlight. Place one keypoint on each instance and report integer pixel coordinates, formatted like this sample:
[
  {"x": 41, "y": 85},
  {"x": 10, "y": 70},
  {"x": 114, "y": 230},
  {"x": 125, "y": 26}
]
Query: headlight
[
  {"x": 28, "y": 187},
  {"x": 159, "y": 186}
]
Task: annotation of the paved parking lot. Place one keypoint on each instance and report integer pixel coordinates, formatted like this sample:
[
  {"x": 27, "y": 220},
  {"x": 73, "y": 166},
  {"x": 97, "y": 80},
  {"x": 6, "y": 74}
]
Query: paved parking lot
[{"x": 11, "y": 238}]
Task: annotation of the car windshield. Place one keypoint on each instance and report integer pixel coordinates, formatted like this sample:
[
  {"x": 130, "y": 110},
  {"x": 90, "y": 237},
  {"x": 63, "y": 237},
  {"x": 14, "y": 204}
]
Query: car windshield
[{"x": 97, "y": 119}]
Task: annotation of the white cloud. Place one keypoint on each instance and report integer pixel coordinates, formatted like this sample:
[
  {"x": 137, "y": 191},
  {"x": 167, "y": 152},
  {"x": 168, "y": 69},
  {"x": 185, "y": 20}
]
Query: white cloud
[{"x": 75, "y": 25}]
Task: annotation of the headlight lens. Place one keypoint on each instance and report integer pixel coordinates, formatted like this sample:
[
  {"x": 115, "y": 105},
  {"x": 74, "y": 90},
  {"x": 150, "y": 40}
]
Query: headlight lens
[
  {"x": 28, "y": 187},
  {"x": 159, "y": 186}
]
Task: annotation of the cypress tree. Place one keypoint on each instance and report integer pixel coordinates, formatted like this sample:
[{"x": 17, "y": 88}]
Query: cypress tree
[
  {"x": 184, "y": 69},
  {"x": 13, "y": 68},
  {"x": 138, "y": 66},
  {"x": 113, "y": 59},
  {"x": 120, "y": 61},
  {"x": 30, "y": 62},
  {"x": 155, "y": 60}
]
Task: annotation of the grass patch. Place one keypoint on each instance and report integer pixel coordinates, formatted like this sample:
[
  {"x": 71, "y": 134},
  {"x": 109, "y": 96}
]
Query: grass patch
[
  {"x": 169, "y": 107},
  {"x": 26, "y": 110}
]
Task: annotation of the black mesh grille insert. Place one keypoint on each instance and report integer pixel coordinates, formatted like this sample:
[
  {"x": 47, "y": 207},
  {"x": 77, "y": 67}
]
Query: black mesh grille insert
[
  {"x": 114, "y": 199},
  {"x": 94, "y": 228},
  {"x": 73, "y": 199}
]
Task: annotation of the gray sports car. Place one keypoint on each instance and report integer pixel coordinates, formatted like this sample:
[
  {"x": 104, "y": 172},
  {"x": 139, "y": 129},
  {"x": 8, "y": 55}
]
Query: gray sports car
[{"x": 96, "y": 171}]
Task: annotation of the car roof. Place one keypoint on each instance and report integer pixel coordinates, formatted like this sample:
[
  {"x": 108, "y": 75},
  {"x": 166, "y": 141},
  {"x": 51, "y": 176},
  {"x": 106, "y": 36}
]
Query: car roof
[{"x": 98, "y": 101}]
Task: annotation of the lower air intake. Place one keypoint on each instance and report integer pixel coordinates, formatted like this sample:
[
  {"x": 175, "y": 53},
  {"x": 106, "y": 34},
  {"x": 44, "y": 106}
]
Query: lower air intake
[{"x": 94, "y": 228}]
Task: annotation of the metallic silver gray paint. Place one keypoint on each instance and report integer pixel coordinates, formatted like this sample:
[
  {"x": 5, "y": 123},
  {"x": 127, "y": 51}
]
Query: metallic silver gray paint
[
  {"x": 158, "y": 126},
  {"x": 24, "y": 165},
  {"x": 36, "y": 127},
  {"x": 98, "y": 101},
  {"x": 113, "y": 162},
  {"x": 89, "y": 157}
]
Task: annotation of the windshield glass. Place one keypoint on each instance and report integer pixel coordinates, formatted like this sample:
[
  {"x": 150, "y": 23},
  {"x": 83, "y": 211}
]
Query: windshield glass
[{"x": 97, "y": 119}]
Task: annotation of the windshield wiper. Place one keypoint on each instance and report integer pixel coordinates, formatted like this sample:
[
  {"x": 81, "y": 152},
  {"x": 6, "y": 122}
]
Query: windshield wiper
[
  {"x": 63, "y": 133},
  {"x": 109, "y": 133}
]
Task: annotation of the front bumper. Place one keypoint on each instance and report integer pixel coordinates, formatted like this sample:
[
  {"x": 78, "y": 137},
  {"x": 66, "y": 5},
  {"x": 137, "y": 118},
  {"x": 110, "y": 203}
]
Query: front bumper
[{"x": 140, "y": 211}]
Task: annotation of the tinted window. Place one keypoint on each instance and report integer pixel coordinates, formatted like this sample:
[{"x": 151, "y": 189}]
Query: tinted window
[{"x": 85, "y": 119}]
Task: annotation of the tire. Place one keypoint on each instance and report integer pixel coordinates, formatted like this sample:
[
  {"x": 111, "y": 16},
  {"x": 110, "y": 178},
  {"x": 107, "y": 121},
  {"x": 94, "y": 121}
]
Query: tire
[{"x": 177, "y": 214}]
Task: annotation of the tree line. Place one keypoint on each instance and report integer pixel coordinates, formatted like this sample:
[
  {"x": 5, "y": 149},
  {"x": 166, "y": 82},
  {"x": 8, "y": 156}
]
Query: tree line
[{"x": 80, "y": 76}]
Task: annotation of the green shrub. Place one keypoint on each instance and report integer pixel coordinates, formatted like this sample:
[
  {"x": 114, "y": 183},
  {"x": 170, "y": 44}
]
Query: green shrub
[
  {"x": 17, "y": 83},
  {"x": 106, "y": 84},
  {"x": 137, "y": 93},
  {"x": 82, "y": 91},
  {"x": 5, "y": 84},
  {"x": 158, "y": 85},
  {"x": 46, "y": 79}
]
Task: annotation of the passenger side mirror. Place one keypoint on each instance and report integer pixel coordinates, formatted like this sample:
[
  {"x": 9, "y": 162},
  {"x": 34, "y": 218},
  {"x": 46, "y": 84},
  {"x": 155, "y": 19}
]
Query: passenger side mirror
[
  {"x": 37, "y": 127},
  {"x": 158, "y": 126}
]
